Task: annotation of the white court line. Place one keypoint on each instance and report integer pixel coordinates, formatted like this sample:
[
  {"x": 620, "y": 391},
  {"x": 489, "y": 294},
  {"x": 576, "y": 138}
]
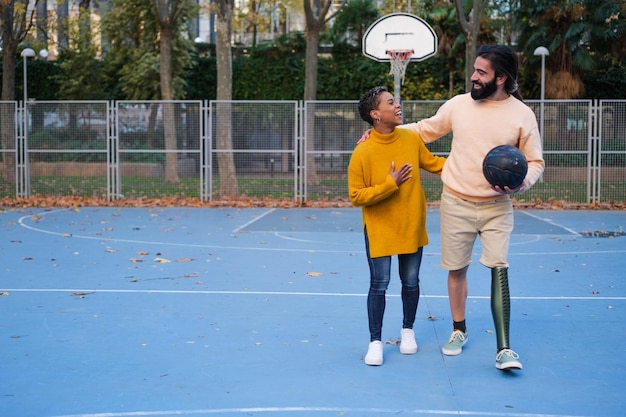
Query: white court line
[
  {"x": 575, "y": 233},
  {"x": 307, "y": 250},
  {"x": 253, "y": 220},
  {"x": 316, "y": 409},
  {"x": 289, "y": 293}
]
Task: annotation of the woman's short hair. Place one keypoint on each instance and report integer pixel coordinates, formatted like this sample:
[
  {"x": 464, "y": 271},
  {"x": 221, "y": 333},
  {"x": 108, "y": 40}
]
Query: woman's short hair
[{"x": 369, "y": 102}]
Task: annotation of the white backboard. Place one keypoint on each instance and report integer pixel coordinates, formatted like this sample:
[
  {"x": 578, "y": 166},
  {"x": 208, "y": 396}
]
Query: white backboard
[{"x": 399, "y": 31}]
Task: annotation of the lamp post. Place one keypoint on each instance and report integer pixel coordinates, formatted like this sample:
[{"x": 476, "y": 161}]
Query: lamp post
[
  {"x": 22, "y": 161},
  {"x": 26, "y": 53},
  {"x": 543, "y": 52}
]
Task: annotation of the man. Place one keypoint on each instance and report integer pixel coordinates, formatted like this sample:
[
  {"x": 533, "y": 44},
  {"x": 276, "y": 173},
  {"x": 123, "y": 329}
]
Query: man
[{"x": 492, "y": 114}]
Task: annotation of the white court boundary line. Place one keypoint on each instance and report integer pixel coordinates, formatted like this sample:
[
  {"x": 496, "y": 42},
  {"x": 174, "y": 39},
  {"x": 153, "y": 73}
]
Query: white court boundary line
[
  {"x": 307, "y": 250},
  {"x": 575, "y": 233},
  {"x": 288, "y": 293},
  {"x": 316, "y": 409},
  {"x": 257, "y": 218}
]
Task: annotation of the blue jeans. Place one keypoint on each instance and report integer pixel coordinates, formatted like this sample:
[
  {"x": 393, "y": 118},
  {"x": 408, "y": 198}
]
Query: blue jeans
[{"x": 380, "y": 275}]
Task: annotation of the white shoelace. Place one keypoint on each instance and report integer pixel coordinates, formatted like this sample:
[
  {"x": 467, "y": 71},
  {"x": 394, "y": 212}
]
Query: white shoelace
[
  {"x": 456, "y": 335},
  {"x": 507, "y": 352}
]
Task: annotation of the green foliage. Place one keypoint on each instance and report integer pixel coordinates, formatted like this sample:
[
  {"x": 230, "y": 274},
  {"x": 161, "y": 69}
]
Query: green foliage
[
  {"x": 271, "y": 73},
  {"x": 131, "y": 28},
  {"x": 609, "y": 82},
  {"x": 76, "y": 139},
  {"x": 142, "y": 79},
  {"x": 80, "y": 73},
  {"x": 353, "y": 21},
  {"x": 129, "y": 65}
]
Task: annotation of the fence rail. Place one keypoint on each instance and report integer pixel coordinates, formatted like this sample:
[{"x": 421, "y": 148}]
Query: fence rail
[{"x": 266, "y": 149}]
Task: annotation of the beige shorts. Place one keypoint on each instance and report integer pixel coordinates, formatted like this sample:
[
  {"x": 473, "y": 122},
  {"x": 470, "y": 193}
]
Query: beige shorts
[{"x": 462, "y": 221}]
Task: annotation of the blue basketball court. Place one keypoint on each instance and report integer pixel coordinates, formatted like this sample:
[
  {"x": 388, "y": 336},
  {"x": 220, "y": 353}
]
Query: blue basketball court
[{"x": 111, "y": 312}]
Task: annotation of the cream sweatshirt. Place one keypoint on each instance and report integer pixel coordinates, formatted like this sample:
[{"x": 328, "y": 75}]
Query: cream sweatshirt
[{"x": 477, "y": 127}]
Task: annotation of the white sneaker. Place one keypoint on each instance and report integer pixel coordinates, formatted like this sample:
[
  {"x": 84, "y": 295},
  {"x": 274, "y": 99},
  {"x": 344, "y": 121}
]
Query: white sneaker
[
  {"x": 507, "y": 359},
  {"x": 407, "y": 342},
  {"x": 374, "y": 355}
]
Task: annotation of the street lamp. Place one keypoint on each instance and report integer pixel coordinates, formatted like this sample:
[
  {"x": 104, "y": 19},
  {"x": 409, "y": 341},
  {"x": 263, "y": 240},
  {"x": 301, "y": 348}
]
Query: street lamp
[
  {"x": 26, "y": 53},
  {"x": 22, "y": 159},
  {"x": 543, "y": 52}
]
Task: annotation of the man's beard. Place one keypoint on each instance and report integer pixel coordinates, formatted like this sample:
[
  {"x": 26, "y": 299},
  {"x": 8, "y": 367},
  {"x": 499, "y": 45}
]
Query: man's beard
[{"x": 485, "y": 91}]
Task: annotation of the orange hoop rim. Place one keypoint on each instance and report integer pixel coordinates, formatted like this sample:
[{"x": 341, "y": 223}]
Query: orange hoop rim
[{"x": 400, "y": 54}]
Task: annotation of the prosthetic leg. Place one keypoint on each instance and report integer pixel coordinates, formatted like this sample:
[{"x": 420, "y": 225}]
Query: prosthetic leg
[
  {"x": 501, "y": 305},
  {"x": 506, "y": 359}
]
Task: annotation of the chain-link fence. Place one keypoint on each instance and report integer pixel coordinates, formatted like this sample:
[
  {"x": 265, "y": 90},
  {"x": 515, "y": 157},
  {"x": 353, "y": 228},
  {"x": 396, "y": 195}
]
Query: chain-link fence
[
  {"x": 267, "y": 149},
  {"x": 253, "y": 150}
]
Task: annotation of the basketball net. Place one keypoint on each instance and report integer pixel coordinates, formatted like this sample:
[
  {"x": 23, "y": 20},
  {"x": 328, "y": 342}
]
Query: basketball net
[{"x": 399, "y": 59}]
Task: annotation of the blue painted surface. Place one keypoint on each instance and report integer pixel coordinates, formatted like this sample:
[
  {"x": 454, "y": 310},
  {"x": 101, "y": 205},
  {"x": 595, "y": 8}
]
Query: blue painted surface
[{"x": 178, "y": 311}]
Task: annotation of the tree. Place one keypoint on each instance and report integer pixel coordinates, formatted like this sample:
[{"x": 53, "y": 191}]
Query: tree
[
  {"x": 225, "y": 160},
  {"x": 16, "y": 21},
  {"x": 80, "y": 75},
  {"x": 171, "y": 17},
  {"x": 577, "y": 34},
  {"x": 450, "y": 40},
  {"x": 470, "y": 27},
  {"x": 149, "y": 47},
  {"x": 316, "y": 16},
  {"x": 354, "y": 19}
]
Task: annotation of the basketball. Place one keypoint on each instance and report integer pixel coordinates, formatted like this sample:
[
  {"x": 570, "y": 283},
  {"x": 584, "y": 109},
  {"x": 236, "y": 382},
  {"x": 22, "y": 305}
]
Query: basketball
[{"x": 505, "y": 166}]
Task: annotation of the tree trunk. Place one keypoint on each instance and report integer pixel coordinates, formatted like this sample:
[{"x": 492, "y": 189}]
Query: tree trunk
[
  {"x": 7, "y": 111},
  {"x": 169, "y": 118},
  {"x": 225, "y": 160},
  {"x": 310, "y": 93},
  {"x": 471, "y": 29}
]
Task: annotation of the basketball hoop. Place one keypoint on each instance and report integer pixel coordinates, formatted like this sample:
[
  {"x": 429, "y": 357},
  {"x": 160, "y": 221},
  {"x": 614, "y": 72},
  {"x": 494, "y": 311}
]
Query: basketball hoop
[{"x": 399, "y": 59}]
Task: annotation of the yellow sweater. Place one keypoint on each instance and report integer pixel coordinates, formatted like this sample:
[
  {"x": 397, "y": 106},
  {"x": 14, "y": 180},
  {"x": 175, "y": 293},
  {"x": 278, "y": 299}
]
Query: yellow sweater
[{"x": 395, "y": 217}]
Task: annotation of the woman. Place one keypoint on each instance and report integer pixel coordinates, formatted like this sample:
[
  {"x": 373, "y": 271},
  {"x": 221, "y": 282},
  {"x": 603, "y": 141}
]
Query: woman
[{"x": 394, "y": 211}]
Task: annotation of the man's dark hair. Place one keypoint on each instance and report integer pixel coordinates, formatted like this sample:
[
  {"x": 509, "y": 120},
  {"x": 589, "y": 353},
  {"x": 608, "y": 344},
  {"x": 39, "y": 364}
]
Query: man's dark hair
[
  {"x": 369, "y": 102},
  {"x": 504, "y": 62}
]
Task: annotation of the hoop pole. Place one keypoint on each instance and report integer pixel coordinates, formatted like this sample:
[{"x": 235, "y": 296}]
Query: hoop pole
[{"x": 396, "y": 87}]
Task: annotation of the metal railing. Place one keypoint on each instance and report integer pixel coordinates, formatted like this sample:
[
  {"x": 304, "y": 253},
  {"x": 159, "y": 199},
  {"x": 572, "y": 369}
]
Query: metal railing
[{"x": 219, "y": 150}]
